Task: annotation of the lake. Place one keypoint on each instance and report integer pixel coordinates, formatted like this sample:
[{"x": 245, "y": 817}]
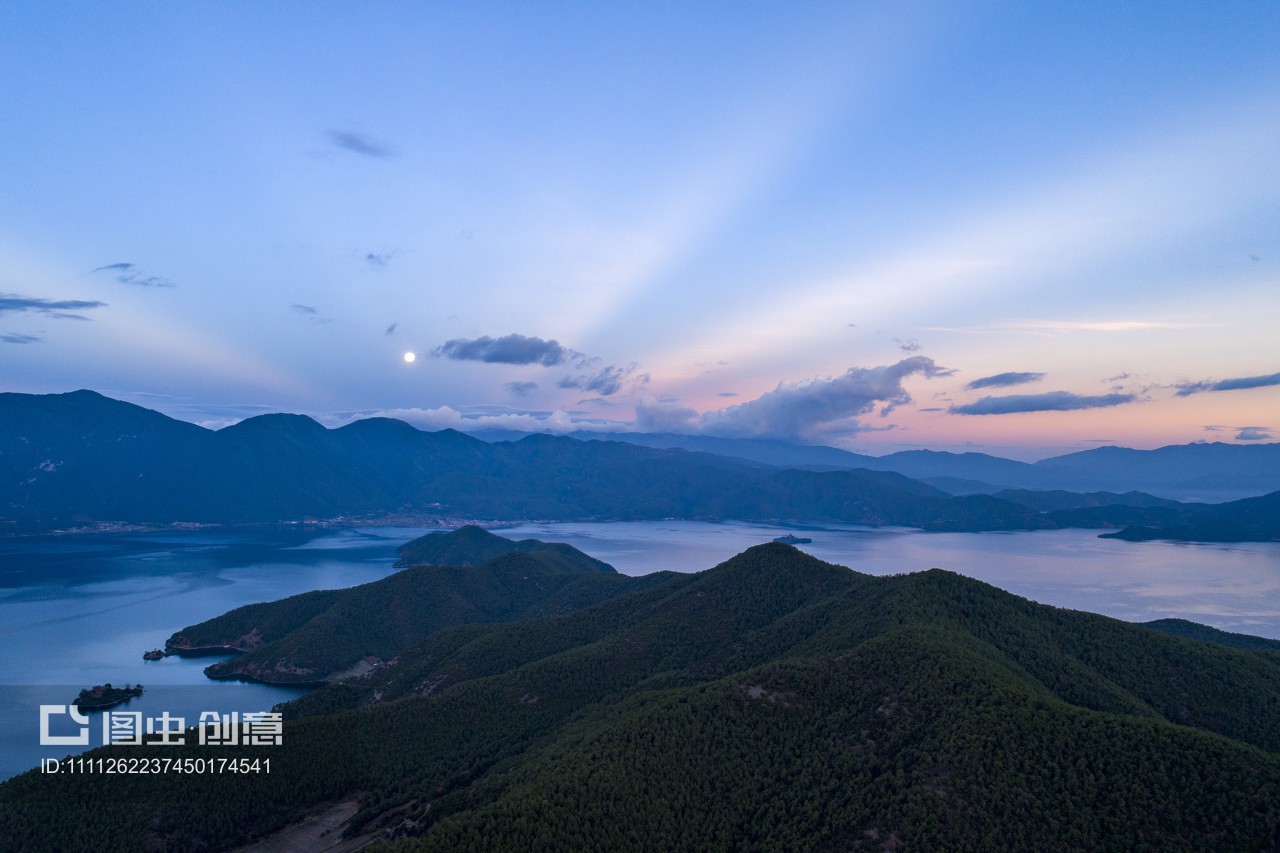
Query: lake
[{"x": 80, "y": 610}]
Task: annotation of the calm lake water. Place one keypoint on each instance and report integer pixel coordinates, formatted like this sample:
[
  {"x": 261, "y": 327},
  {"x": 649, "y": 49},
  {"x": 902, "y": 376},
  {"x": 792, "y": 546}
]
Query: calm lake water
[{"x": 80, "y": 610}]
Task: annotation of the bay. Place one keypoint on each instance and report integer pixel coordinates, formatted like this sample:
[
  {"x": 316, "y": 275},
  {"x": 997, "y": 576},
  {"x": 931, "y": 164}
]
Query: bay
[
  {"x": 80, "y": 610},
  {"x": 1234, "y": 587}
]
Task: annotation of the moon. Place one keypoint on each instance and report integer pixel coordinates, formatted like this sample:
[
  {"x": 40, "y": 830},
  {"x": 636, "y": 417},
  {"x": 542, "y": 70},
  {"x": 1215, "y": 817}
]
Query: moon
[{"x": 409, "y": 358}]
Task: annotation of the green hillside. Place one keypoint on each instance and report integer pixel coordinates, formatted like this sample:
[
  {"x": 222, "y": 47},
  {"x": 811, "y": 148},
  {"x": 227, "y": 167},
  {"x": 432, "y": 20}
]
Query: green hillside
[
  {"x": 469, "y": 545},
  {"x": 774, "y": 702},
  {"x": 316, "y": 636},
  {"x": 1196, "y": 631}
]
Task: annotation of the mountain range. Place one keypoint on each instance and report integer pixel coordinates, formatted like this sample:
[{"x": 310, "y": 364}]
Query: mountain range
[
  {"x": 773, "y": 702},
  {"x": 84, "y": 460},
  {"x": 1201, "y": 472}
]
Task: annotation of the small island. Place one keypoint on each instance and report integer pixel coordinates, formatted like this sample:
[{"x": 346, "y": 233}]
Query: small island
[
  {"x": 793, "y": 540},
  {"x": 103, "y": 696},
  {"x": 154, "y": 654}
]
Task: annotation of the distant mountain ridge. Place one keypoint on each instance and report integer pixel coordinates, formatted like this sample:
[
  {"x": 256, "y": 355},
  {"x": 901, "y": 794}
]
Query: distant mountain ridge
[
  {"x": 1248, "y": 520},
  {"x": 81, "y": 459},
  {"x": 1203, "y": 472}
]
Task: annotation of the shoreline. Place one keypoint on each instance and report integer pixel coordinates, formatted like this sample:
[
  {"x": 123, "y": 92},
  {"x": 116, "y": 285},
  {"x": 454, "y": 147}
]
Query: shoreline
[{"x": 432, "y": 522}]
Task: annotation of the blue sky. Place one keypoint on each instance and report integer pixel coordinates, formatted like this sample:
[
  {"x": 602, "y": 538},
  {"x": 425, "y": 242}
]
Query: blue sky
[{"x": 1022, "y": 228}]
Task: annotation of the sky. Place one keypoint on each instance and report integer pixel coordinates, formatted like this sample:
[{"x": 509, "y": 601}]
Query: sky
[{"x": 1016, "y": 228}]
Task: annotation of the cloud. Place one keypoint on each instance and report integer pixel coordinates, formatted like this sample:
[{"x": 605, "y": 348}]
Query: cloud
[
  {"x": 129, "y": 274},
  {"x": 309, "y": 312},
  {"x": 606, "y": 381},
  {"x": 1253, "y": 433},
  {"x": 510, "y": 349},
  {"x": 1004, "y": 380},
  {"x": 727, "y": 394},
  {"x": 597, "y": 401},
  {"x": 378, "y": 260},
  {"x": 907, "y": 345},
  {"x": 522, "y": 389},
  {"x": 59, "y": 308},
  {"x": 1058, "y": 326},
  {"x": 358, "y": 143},
  {"x": 1187, "y": 388},
  {"x": 654, "y": 415},
  {"x": 1053, "y": 401},
  {"x": 1103, "y": 325},
  {"x": 811, "y": 409},
  {"x": 446, "y": 417},
  {"x": 391, "y": 330},
  {"x": 147, "y": 281},
  {"x": 15, "y": 338}
]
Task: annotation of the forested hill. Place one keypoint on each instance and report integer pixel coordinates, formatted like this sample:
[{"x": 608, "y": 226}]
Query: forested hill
[
  {"x": 1251, "y": 519},
  {"x": 316, "y": 636},
  {"x": 773, "y": 702},
  {"x": 470, "y": 544}
]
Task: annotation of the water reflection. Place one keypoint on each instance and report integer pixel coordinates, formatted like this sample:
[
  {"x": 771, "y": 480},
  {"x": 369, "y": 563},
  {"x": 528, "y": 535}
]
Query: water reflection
[{"x": 1233, "y": 587}]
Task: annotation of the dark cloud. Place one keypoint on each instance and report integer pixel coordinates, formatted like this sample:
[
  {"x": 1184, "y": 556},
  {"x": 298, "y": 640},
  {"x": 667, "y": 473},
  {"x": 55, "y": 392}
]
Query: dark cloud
[
  {"x": 145, "y": 281},
  {"x": 907, "y": 345},
  {"x": 591, "y": 375},
  {"x": 130, "y": 274},
  {"x": 1053, "y": 401},
  {"x": 378, "y": 260},
  {"x": 1004, "y": 380},
  {"x": 59, "y": 308},
  {"x": 598, "y": 401},
  {"x": 1254, "y": 433},
  {"x": 304, "y": 309},
  {"x": 510, "y": 349},
  {"x": 727, "y": 394},
  {"x": 15, "y": 338},
  {"x": 391, "y": 330},
  {"x": 358, "y": 143},
  {"x": 605, "y": 381},
  {"x": 522, "y": 389},
  {"x": 821, "y": 407},
  {"x": 1187, "y": 388}
]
